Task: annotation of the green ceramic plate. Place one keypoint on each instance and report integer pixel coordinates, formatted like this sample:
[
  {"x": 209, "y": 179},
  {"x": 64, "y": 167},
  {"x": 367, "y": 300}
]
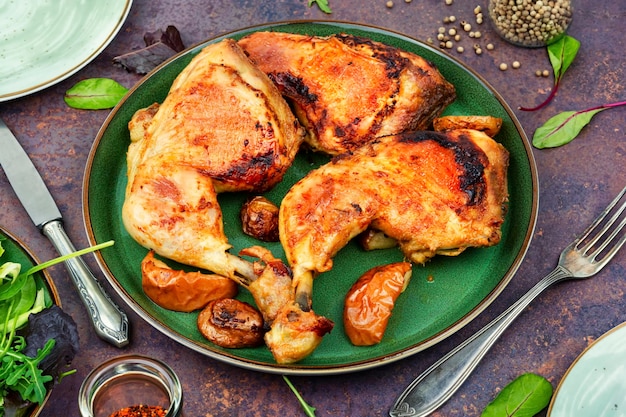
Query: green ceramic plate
[
  {"x": 16, "y": 251},
  {"x": 46, "y": 41},
  {"x": 443, "y": 296}
]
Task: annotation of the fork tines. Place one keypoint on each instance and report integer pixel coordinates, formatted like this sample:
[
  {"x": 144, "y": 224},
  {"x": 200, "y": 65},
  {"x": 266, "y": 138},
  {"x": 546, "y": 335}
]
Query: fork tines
[{"x": 610, "y": 224}]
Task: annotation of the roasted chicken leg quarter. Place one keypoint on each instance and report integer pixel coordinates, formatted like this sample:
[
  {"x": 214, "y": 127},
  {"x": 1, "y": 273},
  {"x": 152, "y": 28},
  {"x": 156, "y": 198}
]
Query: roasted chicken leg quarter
[
  {"x": 224, "y": 126},
  {"x": 435, "y": 193},
  {"x": 347, "y": 90}
]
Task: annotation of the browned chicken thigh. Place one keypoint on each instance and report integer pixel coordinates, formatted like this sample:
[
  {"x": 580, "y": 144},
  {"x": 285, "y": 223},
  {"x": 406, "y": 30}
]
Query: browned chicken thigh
[
  {"x": 223, "y": 127},
  {"x": 347, "y": 90},
  {"x": 435, "y": 193}
]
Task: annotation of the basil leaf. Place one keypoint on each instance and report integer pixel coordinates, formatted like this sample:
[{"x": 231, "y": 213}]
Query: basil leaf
[
  {"x": 322, "y": 4},
  {"x": 95, "y": 94},
  {"x": 563, "y": 128},
  {"x": 562, "y": 54},
  {"x": 526, "y": 396}
]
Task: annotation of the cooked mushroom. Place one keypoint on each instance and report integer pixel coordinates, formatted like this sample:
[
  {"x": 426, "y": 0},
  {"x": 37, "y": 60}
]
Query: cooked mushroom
[
  {"x": 231, "y": 323},
  {"x": 259, "y": 218}
]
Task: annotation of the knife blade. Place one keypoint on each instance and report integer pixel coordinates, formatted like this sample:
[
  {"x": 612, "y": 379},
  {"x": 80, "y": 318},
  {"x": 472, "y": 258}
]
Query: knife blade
[{"x": 109, "y": 321}]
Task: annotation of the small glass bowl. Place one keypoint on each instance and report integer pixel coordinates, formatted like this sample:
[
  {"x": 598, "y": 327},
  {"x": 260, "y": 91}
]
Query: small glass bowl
[{"x": 127, "y": 381}]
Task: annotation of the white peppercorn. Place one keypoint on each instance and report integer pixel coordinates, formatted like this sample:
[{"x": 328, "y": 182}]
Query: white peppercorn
[{"x": 531, "y": 23}]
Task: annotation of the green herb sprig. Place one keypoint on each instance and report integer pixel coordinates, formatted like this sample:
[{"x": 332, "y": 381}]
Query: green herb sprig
[
  {"x": 95, "y": 94},
  {"x": 525, "y": 396},
  {"x": 322, "y": 4},
  {"x": 308, "y": 410},
  {"x": 561, "y": 54}
]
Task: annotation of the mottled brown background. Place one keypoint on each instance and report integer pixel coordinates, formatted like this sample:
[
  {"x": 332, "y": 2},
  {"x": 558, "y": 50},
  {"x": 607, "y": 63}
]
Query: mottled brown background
[{"x": 576, "y": 182}]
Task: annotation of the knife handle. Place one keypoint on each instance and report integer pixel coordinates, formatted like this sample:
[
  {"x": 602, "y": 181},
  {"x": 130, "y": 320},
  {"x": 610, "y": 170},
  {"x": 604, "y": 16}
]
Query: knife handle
[{"x": 109, "y": 321}]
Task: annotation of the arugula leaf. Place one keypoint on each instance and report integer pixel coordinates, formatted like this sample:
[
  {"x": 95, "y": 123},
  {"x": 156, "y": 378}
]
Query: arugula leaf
[
  {"x": 95, "y": 94},
  {"x": 308, "y": 410},
  {"x": 19, "y": 372},
  {"x": 525, "y": 396},
  {"x": 322, "y": 4}
]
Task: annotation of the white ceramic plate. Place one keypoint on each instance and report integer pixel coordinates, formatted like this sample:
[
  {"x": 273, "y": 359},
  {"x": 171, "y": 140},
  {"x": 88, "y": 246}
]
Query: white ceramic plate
[
  {"x": 45, "y": 41},
  {"x": 595, "y": 384}
]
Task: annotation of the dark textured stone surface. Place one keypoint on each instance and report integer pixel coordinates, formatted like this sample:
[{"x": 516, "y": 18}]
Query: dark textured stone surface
[{"x": 576, "y": 181}]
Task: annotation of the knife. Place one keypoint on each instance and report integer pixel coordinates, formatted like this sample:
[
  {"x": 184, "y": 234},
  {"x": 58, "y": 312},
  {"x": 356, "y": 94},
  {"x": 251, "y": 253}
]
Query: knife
[{"x": 109, "y": 321}]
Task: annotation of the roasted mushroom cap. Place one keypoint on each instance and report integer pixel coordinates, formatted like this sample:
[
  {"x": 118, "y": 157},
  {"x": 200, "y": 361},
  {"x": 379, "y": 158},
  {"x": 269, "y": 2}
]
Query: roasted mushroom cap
[
  {"x": 231, "y": 323},
  {"x": 259, "y": 219}
]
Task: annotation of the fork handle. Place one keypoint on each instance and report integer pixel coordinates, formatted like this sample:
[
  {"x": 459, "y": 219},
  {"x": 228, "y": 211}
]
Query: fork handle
[{"x": 439, "y": 382}]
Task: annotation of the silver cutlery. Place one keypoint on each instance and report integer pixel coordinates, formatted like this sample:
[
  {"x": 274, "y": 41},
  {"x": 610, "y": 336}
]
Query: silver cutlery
[
  {"x": 584, "y": 257},
  {"x": 109, "y": 321}
]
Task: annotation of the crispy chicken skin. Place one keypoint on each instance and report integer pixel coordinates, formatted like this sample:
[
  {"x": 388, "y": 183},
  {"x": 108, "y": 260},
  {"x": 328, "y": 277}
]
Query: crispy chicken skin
[
  {"x": 435, "y": 193},
  {"x": 347, "y": 90},
  {"x": 224, "y": 126}
]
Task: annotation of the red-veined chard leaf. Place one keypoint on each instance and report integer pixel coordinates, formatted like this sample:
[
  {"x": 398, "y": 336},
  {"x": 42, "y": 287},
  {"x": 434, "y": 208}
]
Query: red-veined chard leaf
[
  {"x": 561, "y": 54},
  {"x": 562, "y": 128},
  {"x": 525, "y": 396},
  {"x": 95, "y": 94},
  {"x": 565, "y": 126}
]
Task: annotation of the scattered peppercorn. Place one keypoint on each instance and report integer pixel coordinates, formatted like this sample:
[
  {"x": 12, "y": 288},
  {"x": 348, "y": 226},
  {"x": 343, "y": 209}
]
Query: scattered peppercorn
[
  {"x": 449, "y": 2},
  {"x": 503, "y": 66},
  {"x": 490, "y": 46},
  {"x": 545, "y": 73},
  {"x": 460, "y": 49},
  {"x": 538, "y": 73},
  {"x": 389, "y": 4},
  {"x": 516, "y": 64}
]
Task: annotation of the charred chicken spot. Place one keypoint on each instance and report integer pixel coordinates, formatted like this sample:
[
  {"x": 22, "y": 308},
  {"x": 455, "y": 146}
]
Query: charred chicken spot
[
  {"x": 279, "y": 268},
  {"x": 467, "y": 155},
  {"x": 293, "y": 86},
  {"x": 340, "y": 132},
  {"x": 356, "y": 207},
  {"x": 267, "y": 130}
]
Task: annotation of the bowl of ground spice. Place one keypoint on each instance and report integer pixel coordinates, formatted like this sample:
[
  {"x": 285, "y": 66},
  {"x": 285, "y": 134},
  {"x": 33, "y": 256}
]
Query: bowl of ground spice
[
  {"x": 531, "y": 23},
  {"x": 131, "y": 386}
]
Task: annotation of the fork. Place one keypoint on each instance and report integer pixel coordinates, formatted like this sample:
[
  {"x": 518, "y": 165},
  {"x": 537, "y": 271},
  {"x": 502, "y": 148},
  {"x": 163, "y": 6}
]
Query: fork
[{"x": 584, "y": 257}]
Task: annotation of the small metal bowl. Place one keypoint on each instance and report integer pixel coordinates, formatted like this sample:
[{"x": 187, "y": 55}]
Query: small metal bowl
[{"x": 130, "y": 380}]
